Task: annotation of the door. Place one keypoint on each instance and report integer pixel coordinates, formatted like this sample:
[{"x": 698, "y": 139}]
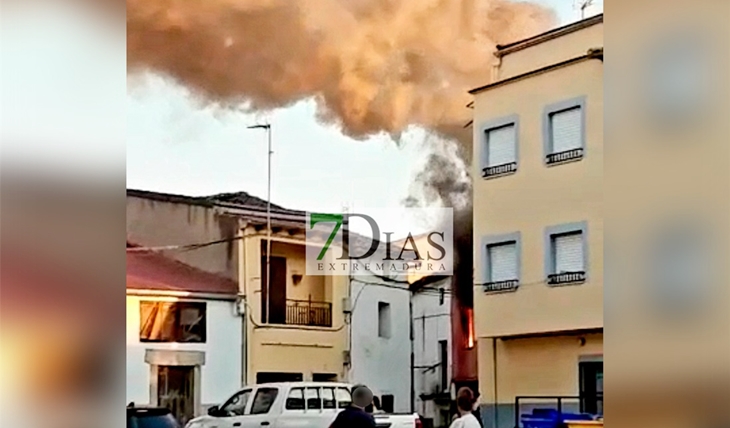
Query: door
[
  {"x": 591, "y": 386},
  {"x": 276, "y": 294},
  {"x": 232, "y": 411},
  {"x": 263, "y": 411},
  {"x": 175, "y": 391}
]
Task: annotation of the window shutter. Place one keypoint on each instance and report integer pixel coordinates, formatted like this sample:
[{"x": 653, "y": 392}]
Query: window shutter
[
  {"x": 501, "y": 145},
  {"x": 503, "y": 262},
  {"x": 568, "y": 253},
  {"x": 566, "y": 130}
]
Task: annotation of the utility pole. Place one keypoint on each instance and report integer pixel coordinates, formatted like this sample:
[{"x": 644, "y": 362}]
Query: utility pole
[{"x": 267, "y": 127}]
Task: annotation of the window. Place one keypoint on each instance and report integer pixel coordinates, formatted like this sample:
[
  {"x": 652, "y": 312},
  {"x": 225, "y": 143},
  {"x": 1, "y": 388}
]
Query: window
[
  {"x": 172, "y": 322},
  {"x": 343, "y": 397},
  {"x": 444, "y": 353},
  {"x": 388, "y": 402},
  {"x": 295, "y": 401},
  {"x": 264, "y": 400},
  {"x": 328, "y": 398},
  {"x": 236, "y": 405},
  {"x": 566, "y": 261},
  {"x": 324, "y": 377},
  {"x": 565, "y": 131},
  {"x": 384, "y": 320},
  {"x": 500, "y": 148},
  {"x": 272, "y": 377},
  {"x": 312, "y": 398},
  {"x": 501, "y": 258}
]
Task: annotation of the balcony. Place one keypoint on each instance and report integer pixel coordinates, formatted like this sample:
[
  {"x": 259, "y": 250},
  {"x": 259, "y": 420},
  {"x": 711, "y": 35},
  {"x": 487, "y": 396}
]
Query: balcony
[
  {"x": 493, "y": 171},
  {"x": 501, "y": 286},
  {"x": 566, "y": 156},
  {"x": 308, "y": 313},
  {"x": 566, "y": 278}
]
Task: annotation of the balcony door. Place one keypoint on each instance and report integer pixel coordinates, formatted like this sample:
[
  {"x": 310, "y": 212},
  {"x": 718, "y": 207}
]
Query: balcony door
[
  {"x": 591, "y": 386},
  {"x": 276, "y": 293}
]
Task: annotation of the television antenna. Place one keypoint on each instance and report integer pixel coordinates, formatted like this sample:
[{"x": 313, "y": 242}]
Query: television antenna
[{"x": 582, "y": 6}]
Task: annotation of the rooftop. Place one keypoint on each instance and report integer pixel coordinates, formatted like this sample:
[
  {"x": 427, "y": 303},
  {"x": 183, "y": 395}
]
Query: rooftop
[
  {"x": 147, "y": 270},
  {"x": 503, "y": 50}
]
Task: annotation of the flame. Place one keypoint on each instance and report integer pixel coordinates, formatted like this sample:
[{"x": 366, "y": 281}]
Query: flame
[{"x": 470, "y": 327}]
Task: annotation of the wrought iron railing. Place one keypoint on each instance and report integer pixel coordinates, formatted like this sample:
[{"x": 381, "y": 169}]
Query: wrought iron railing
[
  {"x": 308, "y": 312},
  {"x": 492, "y": 171},
  {"x": 494, "y": 287},
  {"x": 565, "y": 156},
  {"x": 566, "y": 278}
]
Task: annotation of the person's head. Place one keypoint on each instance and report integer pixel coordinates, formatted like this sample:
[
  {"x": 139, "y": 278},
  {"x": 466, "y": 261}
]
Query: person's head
[
  {"x": 465, "y": 399},
  {"x": 361, "y": 396}
]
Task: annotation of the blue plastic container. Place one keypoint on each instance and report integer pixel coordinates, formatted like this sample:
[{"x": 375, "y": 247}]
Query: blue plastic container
[{"x": 532, "y": 422}]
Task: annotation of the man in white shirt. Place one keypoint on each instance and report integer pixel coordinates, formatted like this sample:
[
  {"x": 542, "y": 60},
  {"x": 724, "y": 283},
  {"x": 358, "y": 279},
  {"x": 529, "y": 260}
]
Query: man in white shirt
[{"x": 465, "y": 403}]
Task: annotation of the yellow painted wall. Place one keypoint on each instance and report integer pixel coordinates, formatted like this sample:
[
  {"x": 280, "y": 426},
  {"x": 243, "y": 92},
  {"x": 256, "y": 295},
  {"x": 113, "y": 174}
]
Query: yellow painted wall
[
  {"x": 537, "y": 196},
  {"x": 534, "y": 366},
  {"x": 313, "y": 286},
  {"x": 551, "y": 52},
  {"x": 292, "y": 349}
]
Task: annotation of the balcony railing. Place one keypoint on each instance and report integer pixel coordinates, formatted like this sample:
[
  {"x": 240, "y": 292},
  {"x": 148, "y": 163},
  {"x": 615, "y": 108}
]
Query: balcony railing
[
  {"x": 501, "y": 286},
  {"x": 566, "y": 278},
  {"x": 565, "y": 156},
  {"x": 308, "y": 312},
  {"x": 493, "y": 171}
]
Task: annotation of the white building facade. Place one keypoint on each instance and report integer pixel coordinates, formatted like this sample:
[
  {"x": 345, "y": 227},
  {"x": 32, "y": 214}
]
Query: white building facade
[
  {"x": 184, "y": 336},
  {"x": 432, "y": 349},
  {"x": 380, "y": 339}
]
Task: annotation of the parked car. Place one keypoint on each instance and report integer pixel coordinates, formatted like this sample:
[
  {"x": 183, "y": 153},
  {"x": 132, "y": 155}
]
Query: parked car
[
  {"x": 150, "y": 417},
  {"x": 290, "y": 404}
]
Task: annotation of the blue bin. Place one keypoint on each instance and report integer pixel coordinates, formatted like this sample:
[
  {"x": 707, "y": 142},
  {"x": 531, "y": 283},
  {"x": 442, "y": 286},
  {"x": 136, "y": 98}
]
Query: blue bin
[{"x": 532, "y": 422}]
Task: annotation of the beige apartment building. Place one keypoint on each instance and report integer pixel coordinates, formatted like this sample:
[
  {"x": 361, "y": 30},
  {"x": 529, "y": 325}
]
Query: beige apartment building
[{"x": 538, "y": 224}]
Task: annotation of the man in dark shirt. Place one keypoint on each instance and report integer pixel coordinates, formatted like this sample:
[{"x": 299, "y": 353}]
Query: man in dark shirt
[{"x": 355, "y": 415}]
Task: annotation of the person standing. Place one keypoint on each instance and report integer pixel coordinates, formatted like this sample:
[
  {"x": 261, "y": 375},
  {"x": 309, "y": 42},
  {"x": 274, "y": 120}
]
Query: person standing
[
  {"x": 465, "y": 404},
  {"x": 355, "y": 416},
  {"x": 476, "y": 411}
]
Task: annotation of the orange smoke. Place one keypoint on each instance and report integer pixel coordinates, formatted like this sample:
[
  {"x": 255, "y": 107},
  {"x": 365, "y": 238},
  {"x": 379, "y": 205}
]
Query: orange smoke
[{"x": 372, "y": 65}]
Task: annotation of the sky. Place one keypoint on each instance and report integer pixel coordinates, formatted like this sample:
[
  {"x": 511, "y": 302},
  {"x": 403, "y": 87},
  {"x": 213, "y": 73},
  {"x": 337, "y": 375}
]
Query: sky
[{"x": 177, "y": 146}]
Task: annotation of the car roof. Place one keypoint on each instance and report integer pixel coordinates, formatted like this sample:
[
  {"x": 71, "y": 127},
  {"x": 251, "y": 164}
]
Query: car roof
[{"x": 284, "y": 385}]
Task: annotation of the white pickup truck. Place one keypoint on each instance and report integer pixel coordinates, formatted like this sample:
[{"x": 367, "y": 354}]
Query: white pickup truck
[{"x": 290, "y": 405}]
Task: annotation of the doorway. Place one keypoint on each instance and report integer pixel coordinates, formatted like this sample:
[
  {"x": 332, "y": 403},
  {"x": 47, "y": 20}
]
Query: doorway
[
  {"x": 175, "y": 391},
  {"x": 274, "y": 377},
  {"x": 591, "y": 386},
  {"x": 275, "y": 311}
]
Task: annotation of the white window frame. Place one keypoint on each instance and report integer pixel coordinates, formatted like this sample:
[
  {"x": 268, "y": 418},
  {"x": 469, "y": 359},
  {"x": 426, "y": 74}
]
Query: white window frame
[
  {"x": 490, "y": 260},
  {"x": 488, "y": 241},
  {"x": 512, "y": 120},
  {"x": 547, "y": 134},
  {"x": 551, "y": 232}
]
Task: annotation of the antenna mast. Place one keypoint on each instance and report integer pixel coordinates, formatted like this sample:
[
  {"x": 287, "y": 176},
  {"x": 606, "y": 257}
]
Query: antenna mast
[{"x": 581, "y": 6}]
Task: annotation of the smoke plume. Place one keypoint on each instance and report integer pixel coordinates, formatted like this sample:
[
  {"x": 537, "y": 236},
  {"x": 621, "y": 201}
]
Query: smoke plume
[{"x": 372, "y": 65}]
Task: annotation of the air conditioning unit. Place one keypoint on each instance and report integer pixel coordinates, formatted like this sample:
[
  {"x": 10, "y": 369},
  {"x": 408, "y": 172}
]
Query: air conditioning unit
[{"x": 346, "y": 305}]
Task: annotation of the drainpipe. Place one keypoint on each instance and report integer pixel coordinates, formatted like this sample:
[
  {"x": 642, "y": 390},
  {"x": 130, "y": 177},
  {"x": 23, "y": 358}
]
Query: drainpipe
[
  {"x": 413, "y": 354},
  {"x": 494, "y": 378}
]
